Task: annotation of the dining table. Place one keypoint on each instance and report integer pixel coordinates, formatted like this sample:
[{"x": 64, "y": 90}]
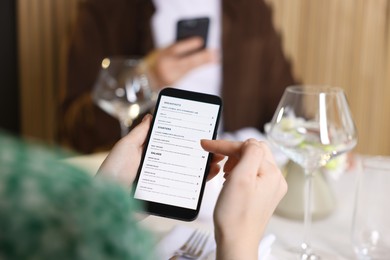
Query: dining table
[{"x": 331, "y": 233}]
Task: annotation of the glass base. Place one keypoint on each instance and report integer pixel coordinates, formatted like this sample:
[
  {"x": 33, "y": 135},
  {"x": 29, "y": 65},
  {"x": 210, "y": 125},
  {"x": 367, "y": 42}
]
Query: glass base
[
  {"x": 296, "y": 253},
  {"x": 368, "y": 252}
]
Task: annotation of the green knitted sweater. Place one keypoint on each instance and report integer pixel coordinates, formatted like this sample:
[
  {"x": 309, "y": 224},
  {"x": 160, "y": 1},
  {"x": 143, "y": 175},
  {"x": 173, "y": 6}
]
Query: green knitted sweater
[{"x": 51, "y": 210}]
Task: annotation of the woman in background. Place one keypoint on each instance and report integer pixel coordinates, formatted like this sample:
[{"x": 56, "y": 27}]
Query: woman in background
[{"x": 243, "y": 62}]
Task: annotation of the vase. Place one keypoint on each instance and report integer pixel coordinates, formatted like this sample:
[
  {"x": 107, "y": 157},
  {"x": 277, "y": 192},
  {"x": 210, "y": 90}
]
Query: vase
[{"x": 292, "y": 205}]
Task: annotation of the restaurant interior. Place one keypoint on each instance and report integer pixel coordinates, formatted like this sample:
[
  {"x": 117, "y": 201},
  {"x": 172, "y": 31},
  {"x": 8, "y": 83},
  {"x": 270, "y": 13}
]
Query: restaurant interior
[
  {"x": 337, "y": 43},
  {"x": 340, "y": 43}
]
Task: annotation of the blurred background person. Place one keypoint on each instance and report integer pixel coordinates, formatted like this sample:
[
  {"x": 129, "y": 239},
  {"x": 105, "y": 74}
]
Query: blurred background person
[{"x": 243, "y": 61}]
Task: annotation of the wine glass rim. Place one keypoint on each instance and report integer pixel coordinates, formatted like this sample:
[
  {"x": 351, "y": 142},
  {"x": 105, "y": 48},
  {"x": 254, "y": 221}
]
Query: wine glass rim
[
  {"x": 129, "y": 60},
  {"x": 378, "y": 162},
  {"x": 314, "y": 89},
  {"x": 123, "y": 57}
]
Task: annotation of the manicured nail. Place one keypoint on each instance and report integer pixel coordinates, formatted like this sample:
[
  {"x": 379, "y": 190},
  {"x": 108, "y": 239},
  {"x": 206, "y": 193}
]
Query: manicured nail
[{"x": 147, "y": 116}]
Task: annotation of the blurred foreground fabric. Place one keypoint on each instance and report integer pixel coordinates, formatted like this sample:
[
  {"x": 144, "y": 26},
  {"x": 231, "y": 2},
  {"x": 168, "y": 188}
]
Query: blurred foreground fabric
[{"x": 51, "y": 210}]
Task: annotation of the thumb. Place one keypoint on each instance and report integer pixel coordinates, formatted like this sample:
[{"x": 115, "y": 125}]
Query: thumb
[{"x": 138, "y": 134}]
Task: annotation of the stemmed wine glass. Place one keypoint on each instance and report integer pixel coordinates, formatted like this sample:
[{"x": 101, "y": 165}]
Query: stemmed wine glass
[
  {"x": 123, "y": 90},
  {"x": 312, "y": 125}
]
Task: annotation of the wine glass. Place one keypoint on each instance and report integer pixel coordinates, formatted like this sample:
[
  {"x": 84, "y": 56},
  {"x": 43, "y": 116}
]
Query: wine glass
[
  {"x": 123, "y": 90},
  {"x": 312, "y": 125},
  {"x": 370, "y": 232}
]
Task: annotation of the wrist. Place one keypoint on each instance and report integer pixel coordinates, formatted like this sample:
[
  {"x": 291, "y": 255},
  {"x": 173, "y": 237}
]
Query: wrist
[
  {"x": 233, "y": 253},
  {"x": 240, "y": 247}
]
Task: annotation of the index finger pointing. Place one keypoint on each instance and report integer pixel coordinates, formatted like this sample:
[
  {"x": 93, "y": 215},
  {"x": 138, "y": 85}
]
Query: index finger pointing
[{"x": 227, "y": 148}]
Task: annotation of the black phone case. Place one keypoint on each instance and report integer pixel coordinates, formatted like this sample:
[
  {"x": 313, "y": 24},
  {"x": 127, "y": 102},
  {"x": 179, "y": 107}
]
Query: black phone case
[
  {"x": 193, "y": 27},
  {"x": 168, "y": 210}
]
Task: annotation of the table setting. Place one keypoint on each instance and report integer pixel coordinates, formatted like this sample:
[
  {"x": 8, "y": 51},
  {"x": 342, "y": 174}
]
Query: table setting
[
  {"x": 170, "y": 248},
  {"x": 332, "y": 232},
  {"x": 321, "y": 215}
]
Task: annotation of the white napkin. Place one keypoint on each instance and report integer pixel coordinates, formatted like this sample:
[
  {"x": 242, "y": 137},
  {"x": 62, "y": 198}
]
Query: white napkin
[{"x": 180, "y": 233}]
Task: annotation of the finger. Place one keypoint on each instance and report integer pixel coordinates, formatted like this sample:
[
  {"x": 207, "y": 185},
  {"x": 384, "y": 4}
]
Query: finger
[
  {"x": 252, "y": 157},
  {"x": 230, "y": 164},
  {"x": 185, "y": 46},
  {"x": 268, "y": 168},
  {"x": 196, "y": 59},
  {"x": 217, "y": 158},
  {"x": 226, "y": 175},
  {"x": 138, "y": 134},
  {"x": 260, "y": 154},
  {"x": 227, "y": 148},
  {"x": 269, "y": 165},
  {"x": 214, "y": 170},
  {"x": 268, "y": 154}
]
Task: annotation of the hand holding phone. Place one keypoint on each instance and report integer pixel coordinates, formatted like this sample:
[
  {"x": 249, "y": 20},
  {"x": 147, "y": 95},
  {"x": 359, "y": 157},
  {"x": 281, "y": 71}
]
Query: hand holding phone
[
  {"x": 174, "y": 167},
  {"x": 187, "y": 28}
]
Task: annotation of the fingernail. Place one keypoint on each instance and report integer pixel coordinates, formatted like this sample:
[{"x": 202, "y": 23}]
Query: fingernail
[{"x": 147, "y": 116}]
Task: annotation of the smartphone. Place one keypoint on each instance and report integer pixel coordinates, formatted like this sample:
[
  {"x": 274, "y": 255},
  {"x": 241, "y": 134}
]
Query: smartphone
[
  {"x": 173, "y": 170},
  {"x": 193, "y": 27}
]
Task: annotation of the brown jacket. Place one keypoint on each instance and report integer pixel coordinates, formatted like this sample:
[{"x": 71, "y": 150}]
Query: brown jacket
[{"x": 255, "y": 71}]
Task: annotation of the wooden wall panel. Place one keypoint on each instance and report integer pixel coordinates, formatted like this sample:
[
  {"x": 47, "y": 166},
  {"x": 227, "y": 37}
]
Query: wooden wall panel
[
  {"x": 344, "y": 43},
  {"x": 43, "y": 26}
]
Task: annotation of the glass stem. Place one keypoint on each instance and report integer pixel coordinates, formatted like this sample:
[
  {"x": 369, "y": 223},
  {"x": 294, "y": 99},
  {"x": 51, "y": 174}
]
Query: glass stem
[
  {"x": 124, "y": 129},
  {"x": 308, "y": 192}
]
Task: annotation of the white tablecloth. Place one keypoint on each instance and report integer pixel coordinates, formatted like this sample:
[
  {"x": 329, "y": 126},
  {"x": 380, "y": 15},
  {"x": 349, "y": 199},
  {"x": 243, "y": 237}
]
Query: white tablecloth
[{"x": 331, "y": 234}]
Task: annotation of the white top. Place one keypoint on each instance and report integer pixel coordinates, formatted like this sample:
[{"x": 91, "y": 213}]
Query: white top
[{"x": 206, "y": 78}]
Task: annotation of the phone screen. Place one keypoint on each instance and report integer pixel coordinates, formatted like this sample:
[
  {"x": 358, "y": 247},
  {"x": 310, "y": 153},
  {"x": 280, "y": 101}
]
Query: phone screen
[{"x": 174, "y": 165}]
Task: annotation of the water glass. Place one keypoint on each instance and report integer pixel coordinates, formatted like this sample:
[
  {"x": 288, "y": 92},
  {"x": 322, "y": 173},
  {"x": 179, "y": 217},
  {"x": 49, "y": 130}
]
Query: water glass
[
  {"x": 123, "y": 90},
  {"x": 371, "y": 216}
]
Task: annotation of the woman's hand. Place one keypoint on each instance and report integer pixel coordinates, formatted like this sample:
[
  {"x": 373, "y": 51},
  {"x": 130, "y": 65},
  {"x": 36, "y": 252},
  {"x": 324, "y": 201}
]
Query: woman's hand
[
  {"x": 253, "y": 188},
  {"x": 123, "y": 160},
  {"x": 168, "y": 65}
]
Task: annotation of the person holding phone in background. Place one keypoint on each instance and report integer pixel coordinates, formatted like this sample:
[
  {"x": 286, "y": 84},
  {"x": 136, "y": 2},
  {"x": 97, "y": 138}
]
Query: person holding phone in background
[{"x": 243, "y": 61}]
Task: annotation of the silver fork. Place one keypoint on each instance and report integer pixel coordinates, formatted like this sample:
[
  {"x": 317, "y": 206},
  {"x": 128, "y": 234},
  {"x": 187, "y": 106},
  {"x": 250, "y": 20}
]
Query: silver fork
[{"x": 193, "y": 247}]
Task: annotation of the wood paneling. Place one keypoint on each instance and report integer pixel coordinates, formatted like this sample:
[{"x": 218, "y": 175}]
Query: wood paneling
[
  {"x": 344, "y": 43},
  {"x": 43, "y": 26}
]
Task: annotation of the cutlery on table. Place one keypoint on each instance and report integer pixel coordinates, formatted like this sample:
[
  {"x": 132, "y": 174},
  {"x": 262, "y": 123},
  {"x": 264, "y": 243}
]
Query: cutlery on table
[{"x": 193, "y": 247}]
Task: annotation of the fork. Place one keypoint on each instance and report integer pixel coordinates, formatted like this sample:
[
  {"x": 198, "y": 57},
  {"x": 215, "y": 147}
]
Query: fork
[{"x": 193, "y": 247}]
